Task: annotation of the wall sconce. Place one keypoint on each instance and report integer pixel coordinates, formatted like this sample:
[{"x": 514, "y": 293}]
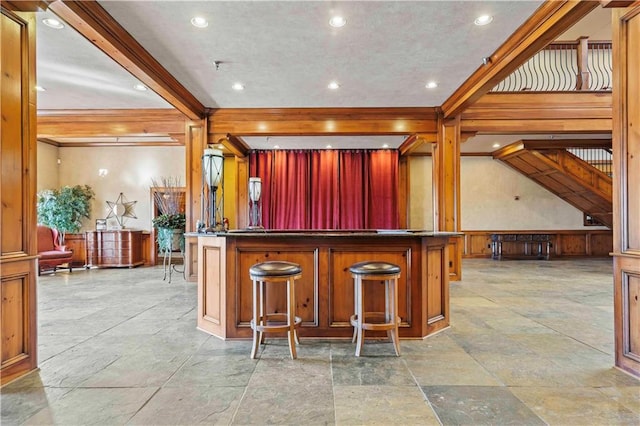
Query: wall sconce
[
  {"x": 212, "y": 195},
  {"x": 255, "y": 203}
]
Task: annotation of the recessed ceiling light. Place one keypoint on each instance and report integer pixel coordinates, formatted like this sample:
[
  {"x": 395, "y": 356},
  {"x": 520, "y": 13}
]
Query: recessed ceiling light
[
  {"x": 333, "y": 85},
  {"x": 199, "y": 22},
  {"x": 238, "y": 86},
  {"x": 276, "y": 146},
  {"x": 140, "y": 87},
  {"x": 40, "y": 89},
  {"x": 496, "y": 145},
  {"x": 386, "y": 145},
  {"x": 337, "y": 21},
  {"x": 483, "y": 20},
  {"x": 329, "y": 147},
  {"x": 53, "y": 23},
  {"x": 431, "y": 85}
]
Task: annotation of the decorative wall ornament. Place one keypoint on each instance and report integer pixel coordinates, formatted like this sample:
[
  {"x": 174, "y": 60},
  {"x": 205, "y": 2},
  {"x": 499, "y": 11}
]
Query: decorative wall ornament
[{"x": 120, "y": 209}]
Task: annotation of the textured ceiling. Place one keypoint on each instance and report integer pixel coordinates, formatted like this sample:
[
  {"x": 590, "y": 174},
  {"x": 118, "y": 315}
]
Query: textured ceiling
[{"x": 285, "y": 53}]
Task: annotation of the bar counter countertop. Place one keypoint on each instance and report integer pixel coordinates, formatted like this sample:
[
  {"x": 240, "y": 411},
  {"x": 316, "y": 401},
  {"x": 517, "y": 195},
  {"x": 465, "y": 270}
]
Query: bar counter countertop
[{"x": 324, "y": 294}]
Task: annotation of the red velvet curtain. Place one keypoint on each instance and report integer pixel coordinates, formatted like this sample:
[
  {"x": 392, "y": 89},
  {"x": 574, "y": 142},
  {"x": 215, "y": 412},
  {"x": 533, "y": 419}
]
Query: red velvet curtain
[
  {"x": 353, "y": 187},
  {"x": 290, "y": 190},
  {"x": 327, "y": 189},
  {"x": 383, "y": 190},
  {"x": 324, "y": 187}
]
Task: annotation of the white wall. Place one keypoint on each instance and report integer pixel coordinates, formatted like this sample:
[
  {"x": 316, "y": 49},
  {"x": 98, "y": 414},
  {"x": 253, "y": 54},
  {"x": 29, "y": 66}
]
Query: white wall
[
  {"x": 130, "y": 170},
  {"x": 47, "y": 167},
  {"x": 420, "y": 193},
  {"x": 488, "y": 190}
]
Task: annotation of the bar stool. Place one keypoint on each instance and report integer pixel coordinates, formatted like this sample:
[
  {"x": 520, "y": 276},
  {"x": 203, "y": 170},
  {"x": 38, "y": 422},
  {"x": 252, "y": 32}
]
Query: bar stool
[
  {"x": 274, "y": 272},
  {"x": 376, "y": 271}
]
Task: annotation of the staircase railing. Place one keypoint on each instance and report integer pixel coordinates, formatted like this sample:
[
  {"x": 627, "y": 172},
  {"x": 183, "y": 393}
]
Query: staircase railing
[
  {"x": 600, "y": 158},
  {"x": 564, "y": 66}
]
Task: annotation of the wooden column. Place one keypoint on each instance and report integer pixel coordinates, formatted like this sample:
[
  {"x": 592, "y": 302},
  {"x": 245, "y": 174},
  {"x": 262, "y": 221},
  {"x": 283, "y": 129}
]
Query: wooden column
[
  {"x": 18, "y": 248},
  {"x": 446, "y": 189},
  {"x": 195, "y": 142},
  {"x": 626, "y": 199}
]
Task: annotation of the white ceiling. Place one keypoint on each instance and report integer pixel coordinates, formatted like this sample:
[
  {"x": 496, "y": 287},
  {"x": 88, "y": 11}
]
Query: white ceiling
[{"x": 285, "y": 53}]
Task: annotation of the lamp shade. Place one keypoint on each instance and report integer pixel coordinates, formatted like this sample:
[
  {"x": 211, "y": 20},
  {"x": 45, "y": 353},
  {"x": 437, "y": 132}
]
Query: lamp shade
[
  {"x": 255, "y": 188},
  {"x": 212, "y": 162}
]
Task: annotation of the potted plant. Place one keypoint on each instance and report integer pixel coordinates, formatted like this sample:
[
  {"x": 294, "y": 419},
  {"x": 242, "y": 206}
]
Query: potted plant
[
  {"x": 170, "y": 224},
  {"x": 64, "y": 208}
]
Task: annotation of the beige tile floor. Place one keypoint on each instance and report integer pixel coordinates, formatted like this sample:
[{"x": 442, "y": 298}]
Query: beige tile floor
[{"x": 531, "y": 342}]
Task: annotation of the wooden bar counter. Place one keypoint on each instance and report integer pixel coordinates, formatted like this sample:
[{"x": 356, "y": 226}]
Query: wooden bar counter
[{"x": 324, "y": 294}]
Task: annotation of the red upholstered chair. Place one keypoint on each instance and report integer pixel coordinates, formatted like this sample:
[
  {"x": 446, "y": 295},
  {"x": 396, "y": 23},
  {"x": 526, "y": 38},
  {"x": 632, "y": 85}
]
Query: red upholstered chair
[{"x": 50, "y": 254}]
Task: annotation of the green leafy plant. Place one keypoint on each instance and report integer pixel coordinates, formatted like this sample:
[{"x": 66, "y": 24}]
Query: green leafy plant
[
  {"x": 170, "y": 221},
  {"x": 168, "y": 196},
  {"x": 64, "y": 208}
]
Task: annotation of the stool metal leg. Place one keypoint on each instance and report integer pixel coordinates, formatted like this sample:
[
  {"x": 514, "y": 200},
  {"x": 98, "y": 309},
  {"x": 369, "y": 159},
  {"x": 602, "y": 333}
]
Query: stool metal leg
[
  {"x": 257, "y": 308},
  {"x": 359, "y": 316},
  {"x": 355, "y": 309},
  {"x": 394, "y": 315},
  {"x": 263, "y": 310},
  {"x": 291, "y": 311}
]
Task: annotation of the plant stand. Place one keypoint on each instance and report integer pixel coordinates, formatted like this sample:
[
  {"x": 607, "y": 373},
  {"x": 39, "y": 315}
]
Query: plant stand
[{"x": 168, "y": 240}]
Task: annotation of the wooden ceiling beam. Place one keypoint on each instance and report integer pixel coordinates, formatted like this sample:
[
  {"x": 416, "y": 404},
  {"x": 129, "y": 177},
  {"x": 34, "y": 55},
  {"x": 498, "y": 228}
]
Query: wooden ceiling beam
[
  {"x": 97, "y": 26},
  {"x": 549, "y": 21},
  {"x": 91, "y": 123},
  {"x": 237, "y": 146},
  {"x": 322, "y": 121}
]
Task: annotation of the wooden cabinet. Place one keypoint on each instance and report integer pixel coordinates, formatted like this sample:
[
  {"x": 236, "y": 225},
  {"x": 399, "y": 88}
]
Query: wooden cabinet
[
  {"x": 122, "y": 248},
  {"x": 76, "y": 243}
]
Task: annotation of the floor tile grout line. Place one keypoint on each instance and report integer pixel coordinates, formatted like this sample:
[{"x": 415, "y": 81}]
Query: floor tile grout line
[{"x": 424, "y": 395}]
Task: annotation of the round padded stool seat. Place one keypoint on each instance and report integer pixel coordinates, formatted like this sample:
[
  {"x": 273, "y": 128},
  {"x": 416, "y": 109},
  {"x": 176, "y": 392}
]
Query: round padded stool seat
[
  {"x": 375, "y": 271},
  {"x": 264, "y": 322},
  {"x": 274, "y": 268},
  {"x": 374, "y": 268}
]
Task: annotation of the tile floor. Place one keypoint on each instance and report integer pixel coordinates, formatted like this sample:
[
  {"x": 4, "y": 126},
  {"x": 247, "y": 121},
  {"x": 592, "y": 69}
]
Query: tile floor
[{"x": 531, "y": 343}]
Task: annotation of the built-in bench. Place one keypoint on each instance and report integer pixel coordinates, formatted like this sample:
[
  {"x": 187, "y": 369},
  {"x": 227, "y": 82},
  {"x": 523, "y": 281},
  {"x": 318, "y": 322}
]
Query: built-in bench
[{"x": 521, "y": 246}]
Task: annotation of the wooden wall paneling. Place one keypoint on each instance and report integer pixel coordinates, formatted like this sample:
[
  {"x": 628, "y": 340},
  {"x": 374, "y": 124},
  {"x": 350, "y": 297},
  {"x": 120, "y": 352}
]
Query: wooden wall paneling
[
  {"x": 18, "y": 260},
  {"x": 342, "y": 297},
  {"x": 437, "y": 289},
  {"x": 571, "y": 245},
  {"x": 212, "y": 298},
  {"x": 191, "y": 258},
  {"x": 565, "y": 243},
  {"x": 306, "y": 287},
  {"x": 600, "y": 244},
  {"x": 626, "y": 199}
]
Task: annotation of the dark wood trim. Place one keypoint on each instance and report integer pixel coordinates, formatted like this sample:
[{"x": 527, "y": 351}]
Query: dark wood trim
[
  {"x": 25, "y": 5},
  {"x": 616, "y": 3},
  {"x": 565, "y": 143},
  {"x": 104, "y": 32},
  {"x": 550, "y": 20}
]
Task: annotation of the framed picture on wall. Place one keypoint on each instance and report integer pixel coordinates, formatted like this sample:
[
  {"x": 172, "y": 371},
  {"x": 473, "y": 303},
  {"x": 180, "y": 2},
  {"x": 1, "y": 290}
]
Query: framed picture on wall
[{"x": 101, "y": 224}]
